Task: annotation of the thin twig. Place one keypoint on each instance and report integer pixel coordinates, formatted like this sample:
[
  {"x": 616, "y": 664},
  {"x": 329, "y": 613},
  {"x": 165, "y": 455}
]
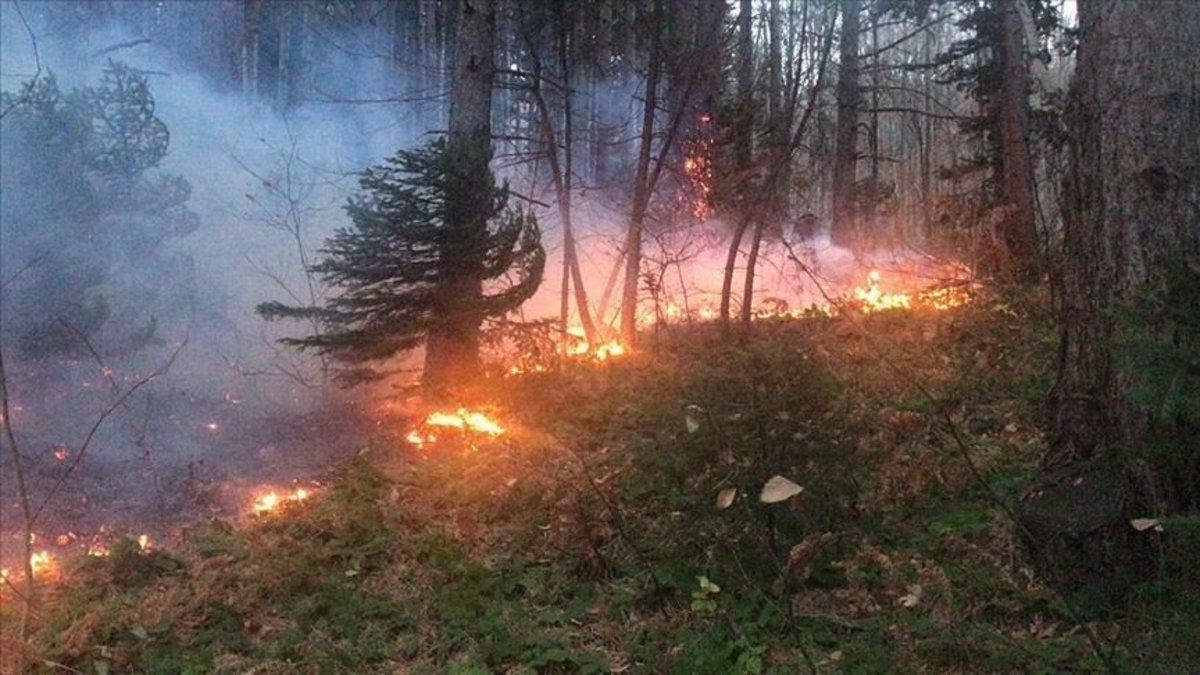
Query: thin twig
[
  {"x": 99, "y": 422},
  {"x": 23, "y": 493}
]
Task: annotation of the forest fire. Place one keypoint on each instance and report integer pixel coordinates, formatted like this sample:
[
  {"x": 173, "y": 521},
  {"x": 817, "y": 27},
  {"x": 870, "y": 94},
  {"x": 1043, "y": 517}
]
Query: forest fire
[
  {"x": 41, "y": 563},
  {"x": 269, "y": 502},
  {"x": 873, "y": 299},
  {"x": 465, "y": 421}
]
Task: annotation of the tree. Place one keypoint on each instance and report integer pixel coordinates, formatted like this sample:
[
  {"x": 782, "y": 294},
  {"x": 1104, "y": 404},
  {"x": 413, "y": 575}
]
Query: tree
[
  {"x": 431, "y": 229},
  {"x": 83, "y": 200},
  {"x": 991, "y": 64},
  {"x": 849, "y": 98},
  {"x": 1127, "y": 400},
  {"x": 401, "y": 260}
]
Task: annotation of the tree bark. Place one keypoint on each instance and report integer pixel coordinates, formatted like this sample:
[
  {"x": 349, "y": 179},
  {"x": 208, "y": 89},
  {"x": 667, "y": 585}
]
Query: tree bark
[
  {"x": 251, "y": 39},
  {"x": 1131, "y": 222},
  {"x": 452, "y": 350},
  {"x": 743, "y": 144},
  {"x": 643, "y": 188},
  {"x": 1019, "y": 230},
  {"x": 849, "y": 95}
]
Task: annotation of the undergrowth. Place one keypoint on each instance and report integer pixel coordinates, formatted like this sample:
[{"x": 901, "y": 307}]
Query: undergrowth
[{"x": 601, "y": 533}]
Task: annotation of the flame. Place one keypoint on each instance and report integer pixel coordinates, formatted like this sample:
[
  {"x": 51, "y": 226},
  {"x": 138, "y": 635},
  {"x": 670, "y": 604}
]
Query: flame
[
  {"x": 61, "y": 452},
  {"x": 467, "y": 420},
  {"x": 464, "y": 420},
  {"x": 42, "y": 563},
  {"x": 266, "y": 503},
  {"x": 873, "y": 299},
  {"x": 608, "y": 350},
  {"x": 579, "y": 347}
]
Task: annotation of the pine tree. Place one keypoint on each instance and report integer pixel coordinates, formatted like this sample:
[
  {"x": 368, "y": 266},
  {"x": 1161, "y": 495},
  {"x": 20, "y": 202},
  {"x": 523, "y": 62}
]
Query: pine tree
[
  {"x": 990, "y": 65},
  {"x": 396, "y": 261}
]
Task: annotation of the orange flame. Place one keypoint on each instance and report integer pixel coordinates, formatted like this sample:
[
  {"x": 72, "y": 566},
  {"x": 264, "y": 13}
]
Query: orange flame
[
  {"x": 464, "y": 420},
  {"x": 873, "y": 299},
  {"x": 42, "y": 563},
  {"x": 264, "y": 504}
]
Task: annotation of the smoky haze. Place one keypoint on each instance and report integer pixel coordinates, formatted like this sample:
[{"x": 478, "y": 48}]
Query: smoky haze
[
  {"x": 112, "y": 274},
  {"x": 120, "y": 281}
]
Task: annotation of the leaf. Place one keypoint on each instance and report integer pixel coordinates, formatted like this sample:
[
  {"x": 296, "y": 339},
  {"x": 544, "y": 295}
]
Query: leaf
[
  {"x": 725, "y": 498},
  {"x": 691, "y": 418},
  {"x": 779, "y": 489},
  {"x": 1143, "y": 524},
  {"x": 913, "y": 598}
]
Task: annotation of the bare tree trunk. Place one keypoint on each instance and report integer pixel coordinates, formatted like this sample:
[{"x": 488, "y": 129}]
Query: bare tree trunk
[
  {"x": 561, "y": 174},
  {"x": 927, "y": 143},
  {"x": 1131, "y": 228},
  {"x": 251, "y": 42},
  {"x": 1019, "y": 235},
  {"x": 772, "y": 194},
  {"x": 643, "y": 188},
  {"x": 849, "y": 94},
  {"x": 452, "y": 349},
  {"x": 744, "y": 144}
]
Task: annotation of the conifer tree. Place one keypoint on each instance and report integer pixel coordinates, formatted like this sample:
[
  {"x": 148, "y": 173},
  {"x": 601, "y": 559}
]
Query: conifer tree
[{"x": 401, "y": 254}]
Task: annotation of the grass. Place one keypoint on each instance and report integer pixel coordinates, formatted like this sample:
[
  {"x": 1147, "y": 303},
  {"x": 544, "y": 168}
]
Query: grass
[{"x": 588, "y": 539}]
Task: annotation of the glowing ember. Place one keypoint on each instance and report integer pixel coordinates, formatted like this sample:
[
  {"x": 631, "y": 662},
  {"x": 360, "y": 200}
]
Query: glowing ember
[
  {"x": 97, "y": 550},
  {"x": 697, "y": 166},
  {"x": 267, "y": 503},
  {"x": 61, "y": 452}
]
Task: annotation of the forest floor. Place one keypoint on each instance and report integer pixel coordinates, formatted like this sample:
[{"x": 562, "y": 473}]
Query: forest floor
[{"x": 617, "y": 526}]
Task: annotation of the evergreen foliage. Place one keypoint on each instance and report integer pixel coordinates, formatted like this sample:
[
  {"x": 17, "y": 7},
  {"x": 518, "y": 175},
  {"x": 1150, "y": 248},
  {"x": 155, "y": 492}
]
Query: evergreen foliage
[
  {"x": 86, "y": 212},
  {"x": 974, "y": 64},
  {"x": 397, "y": 261}
]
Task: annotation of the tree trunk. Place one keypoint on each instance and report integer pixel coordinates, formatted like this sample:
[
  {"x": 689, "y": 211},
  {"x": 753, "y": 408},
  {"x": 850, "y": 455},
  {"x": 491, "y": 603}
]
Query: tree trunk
[
  {"x": 1019, "y": 232},
  {"x": 561, "y": 174},
  {"x": 452, "y": 351},
  {"x": 251, "y": 39},
  {"x": 845, "y": 222},
  {"x": 643, "y": 188},
  {"x": 1131, "y": 228},
  {"x": 772, "y": 195},
  {"x": 743, "y": 144}
]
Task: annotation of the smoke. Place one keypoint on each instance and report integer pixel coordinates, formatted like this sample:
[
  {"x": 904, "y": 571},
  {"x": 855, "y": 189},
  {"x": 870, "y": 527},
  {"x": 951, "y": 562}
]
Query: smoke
[{"x": 90, "y": 310}]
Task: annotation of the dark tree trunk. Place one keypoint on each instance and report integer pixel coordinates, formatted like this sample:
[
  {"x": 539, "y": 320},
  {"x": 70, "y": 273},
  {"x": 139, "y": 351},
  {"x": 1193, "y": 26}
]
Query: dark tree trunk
[
  {"x": 1131, "y": 224},
  {"x": 1018, "y": 236},
  {"x": 452, "y": 351},
  {"x": 743, "y": 144},
  {"x": 643, "y": 188},
  {"x": 845, "y": 160}
]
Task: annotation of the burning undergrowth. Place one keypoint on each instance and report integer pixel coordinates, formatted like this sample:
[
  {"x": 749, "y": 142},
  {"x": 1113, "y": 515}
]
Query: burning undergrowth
[
  {"x": 616, "y": 517},
  {"x": 147, "y": 465}
]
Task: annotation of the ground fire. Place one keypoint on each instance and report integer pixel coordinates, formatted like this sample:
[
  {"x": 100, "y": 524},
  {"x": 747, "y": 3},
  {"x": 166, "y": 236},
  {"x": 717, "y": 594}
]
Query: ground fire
[
  {"x": 463, "y": 420},
  {"x": 269, "y": 502}
]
